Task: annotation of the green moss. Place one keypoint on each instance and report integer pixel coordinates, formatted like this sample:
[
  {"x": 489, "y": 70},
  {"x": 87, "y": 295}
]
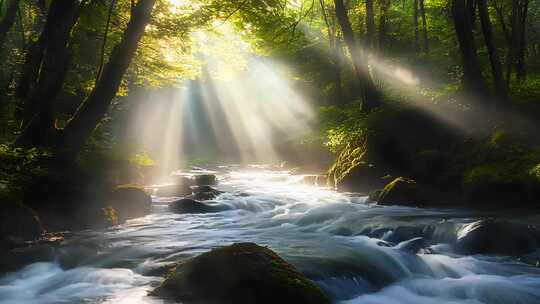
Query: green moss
[
  {"x": 535, "y": 172},
  {"x": 518, "y": 170},
  {"x": 240, "y": 273},
  {"x": 349, "y": 159}
]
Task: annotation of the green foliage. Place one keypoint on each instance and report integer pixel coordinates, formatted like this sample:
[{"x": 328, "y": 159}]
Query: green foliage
[
  {"x": 17, "y": 167},
  {"x": 349, "y": 125},
  {"x": 535, "y": 171},
  {"x": 142, "y": 159}
]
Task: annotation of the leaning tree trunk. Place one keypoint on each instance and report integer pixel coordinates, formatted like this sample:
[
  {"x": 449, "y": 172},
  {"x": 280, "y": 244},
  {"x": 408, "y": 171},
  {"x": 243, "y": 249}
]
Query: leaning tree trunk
[
  {"x": 462, "y": 14},
  {"x": 359, "y": 60},
  {"x": 39, "y": 129},
  {"x": 496, "y": 68},
  {"x": 94, "y": 108},
  {"x": 8, "y": 21}
]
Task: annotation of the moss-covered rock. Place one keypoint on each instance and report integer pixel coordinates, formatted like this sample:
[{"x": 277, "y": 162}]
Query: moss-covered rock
[
  {"x": 129, "y": 202},
  {"x": 402, "y": 191},
  {"x": 240, "y": 273},
  {"x": 352, "y": 171}
]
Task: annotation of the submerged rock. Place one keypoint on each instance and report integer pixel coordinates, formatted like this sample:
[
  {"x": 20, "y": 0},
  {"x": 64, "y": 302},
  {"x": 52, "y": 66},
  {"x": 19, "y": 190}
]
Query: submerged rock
[
  {"x": 241, "y": 273},
  {"x": 205, "y": 179},
  {"x": 130, "y": 202},
  {"x": 413, "y": 246},
  {"x": 204, "y": 193},
  {"x": 497, "y": 237},
  {"x": 187, "y": 205},
  {"x": 401, "y": 191}
]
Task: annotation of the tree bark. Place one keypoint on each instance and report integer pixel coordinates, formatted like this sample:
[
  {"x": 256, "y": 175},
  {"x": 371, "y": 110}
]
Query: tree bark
[
  {"x": 382, "y": 24},
  {"x": 8, "y": 20},
  {"x": 104, "y": 43},
  {"x": 415, "y": 24},
  {"x": 463, "y": 17},
  {"x": 424, "y": 26},
  {"x": 496, "y": 68},
  {"x": 335, "y": 56},
  {"x": 32, "y": 61},
  {"x": 53, "y": 45},
  {"x": 94, "y": 108},
  {"x": 368, "y": 92},
  {"x": 520, "y": 54},
  {"x": 370, "y": 25}
]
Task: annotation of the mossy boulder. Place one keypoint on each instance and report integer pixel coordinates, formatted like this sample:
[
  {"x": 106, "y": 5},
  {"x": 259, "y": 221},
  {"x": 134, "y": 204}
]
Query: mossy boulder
[
  {"x": 352, "y": 171},
  {"x": 402, "y": 191},
  {"x": 492, "y": 236},
  {"x": 187, "y": 205},
  {"x": 241, "y": 273},
  {"x": 129, "y": 202}
]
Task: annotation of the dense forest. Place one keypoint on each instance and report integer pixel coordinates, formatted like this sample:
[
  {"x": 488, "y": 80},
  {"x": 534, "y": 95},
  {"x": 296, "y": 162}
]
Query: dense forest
[{"x": 421, "y": 104}]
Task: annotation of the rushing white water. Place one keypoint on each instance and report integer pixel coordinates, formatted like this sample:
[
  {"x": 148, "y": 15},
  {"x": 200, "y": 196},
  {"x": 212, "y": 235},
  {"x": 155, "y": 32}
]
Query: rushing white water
[{"x": 357, "y": 252}]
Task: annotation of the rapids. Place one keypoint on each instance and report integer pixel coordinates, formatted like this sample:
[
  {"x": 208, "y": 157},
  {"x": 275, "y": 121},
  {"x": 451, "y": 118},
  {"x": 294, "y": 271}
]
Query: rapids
[{"x": 357, "y": 252}]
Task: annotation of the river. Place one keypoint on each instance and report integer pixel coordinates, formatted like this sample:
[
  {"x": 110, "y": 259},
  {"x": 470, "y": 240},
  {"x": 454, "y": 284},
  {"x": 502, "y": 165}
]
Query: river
[{"x": 357, "y": 252}]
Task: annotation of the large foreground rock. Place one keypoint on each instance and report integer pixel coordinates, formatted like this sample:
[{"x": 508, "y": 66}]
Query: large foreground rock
[
  {"x": 497, "y": 237},
  {"x": 241, "y": 273}
]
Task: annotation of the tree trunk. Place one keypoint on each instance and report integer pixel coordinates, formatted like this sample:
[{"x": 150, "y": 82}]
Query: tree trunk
[
  {"x": 462, "y": 14},
  {"x": 32, "y": 61},
  {"x": 335, "y": 56},
  {"x": 415, "y": 23},
  {"x": 94, "y": 108},
  {"x": 370, "y": 25},
  {"x": 520, "y": 54},
  {"x": 337, "y": 71},
  {"x": 104, "y": 43},
  {"x": 53, "y": 44},
  {"x": 368, "y": 91},
  {"x": 496, "y": 69},
  {"x": 424, "y": 26},
  {"x": 382, "y": 24},
  {"x": 8, "y": 20},
  {"x": 511, "y": 51}
]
